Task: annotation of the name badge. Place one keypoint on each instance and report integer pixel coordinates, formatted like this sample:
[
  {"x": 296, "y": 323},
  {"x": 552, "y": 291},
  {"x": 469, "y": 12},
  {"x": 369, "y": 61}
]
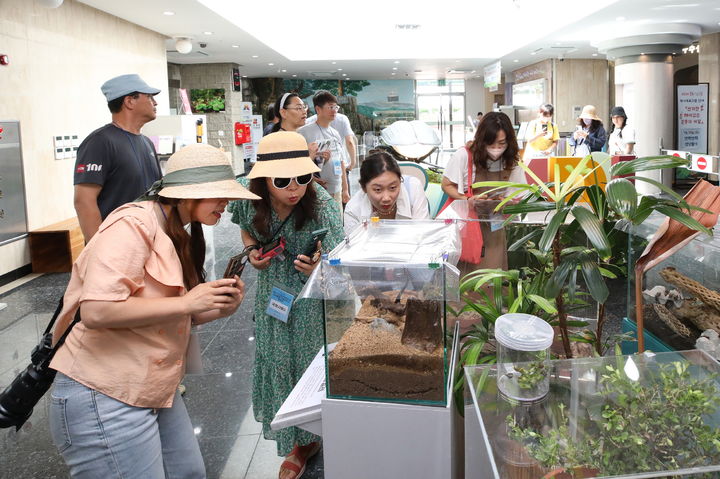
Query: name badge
[
  {"x": 337, "y": 167},
  {"x": 279, "y": 304}
]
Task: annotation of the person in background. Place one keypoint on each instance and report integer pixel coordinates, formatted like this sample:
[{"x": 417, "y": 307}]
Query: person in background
[
  {"x": 292, "y": 112},
  {"x": 622, "y": 136},
  {"x": 115, "y": 410},
  {"x": 492, "y": 156},
  {"x": 332, "y": 158},
  {"x": 477, "y": 119},
  {"x": 541, "y": 135},
  {"x": 386, "y": 193},
  {"x": 590, "y": 134},
  {"x": 272, "y": 120},
  {"x": 116, "y": 163},
  {"x": 291, "y": 207},
  {"x": 342, "y": 124}
]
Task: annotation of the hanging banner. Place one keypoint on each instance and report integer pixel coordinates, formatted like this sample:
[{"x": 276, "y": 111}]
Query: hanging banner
[
  {"x": 692, "y": 119},
  {"x": 492, "y": 75}
]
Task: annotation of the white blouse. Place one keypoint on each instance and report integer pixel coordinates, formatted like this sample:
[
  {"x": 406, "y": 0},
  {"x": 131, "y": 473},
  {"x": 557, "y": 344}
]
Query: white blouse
[
  {"x": 616, "y": 145},
  {"x": 457, "y": 170},
  {"x": 411, "y": 204}
]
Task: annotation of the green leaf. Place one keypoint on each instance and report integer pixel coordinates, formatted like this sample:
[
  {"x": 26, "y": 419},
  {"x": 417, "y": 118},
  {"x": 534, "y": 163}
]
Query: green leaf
[
  {"x": 556, "y": 281},
  {"x": 664, "y": 188},
  {"x": 647, "y": 163},
  {"x": 594, "y": 281},
  {"x": 683, "y": 218},
  {"x": 546, "y": 305},
  {"x": 622, "y": 197},
  {"x": 538, "y": 181},
  {"x": 597, "y": 201},
  {"x": 607, "y": 273},
  {"x": 593, "y": 228},
  {"x": 521, "y": 208},
  {"x": 525, "y": 239},
  {"x": 551, "y": 230}
]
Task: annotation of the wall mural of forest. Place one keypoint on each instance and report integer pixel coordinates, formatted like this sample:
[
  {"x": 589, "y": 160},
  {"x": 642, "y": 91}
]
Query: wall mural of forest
[{"x": 369, "y": 104}]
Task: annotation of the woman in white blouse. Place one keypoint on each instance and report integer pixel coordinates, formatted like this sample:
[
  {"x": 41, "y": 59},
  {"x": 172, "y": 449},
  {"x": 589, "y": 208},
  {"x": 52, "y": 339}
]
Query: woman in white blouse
[
  {"x": 385, "y": 193},
  {"x": 622, "y": 137}
]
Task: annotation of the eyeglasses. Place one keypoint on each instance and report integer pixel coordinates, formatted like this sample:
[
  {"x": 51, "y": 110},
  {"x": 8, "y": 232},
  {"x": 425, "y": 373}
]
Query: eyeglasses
[
  {"x": 282, "y": 183},
  {"x": 333, "y": 108},
  {"x": 298, "y": 108}
]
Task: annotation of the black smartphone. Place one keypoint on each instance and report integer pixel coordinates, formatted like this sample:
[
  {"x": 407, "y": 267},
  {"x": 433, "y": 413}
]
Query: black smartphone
[
  {"x": 312, "y": 247},
  {"x": 235, "y": 266},
  {"x": 544, "y": 127}
]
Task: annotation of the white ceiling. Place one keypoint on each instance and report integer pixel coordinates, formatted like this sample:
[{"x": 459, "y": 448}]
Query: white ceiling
[{"x": 371, "y": 40}]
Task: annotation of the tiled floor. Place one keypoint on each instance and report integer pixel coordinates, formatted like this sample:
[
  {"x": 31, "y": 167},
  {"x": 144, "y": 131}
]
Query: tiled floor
[{"x": 219, "y": 401}]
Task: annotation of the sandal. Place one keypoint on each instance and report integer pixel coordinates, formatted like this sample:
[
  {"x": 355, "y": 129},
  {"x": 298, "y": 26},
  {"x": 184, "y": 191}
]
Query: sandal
[{"x": 299, "y": 470}]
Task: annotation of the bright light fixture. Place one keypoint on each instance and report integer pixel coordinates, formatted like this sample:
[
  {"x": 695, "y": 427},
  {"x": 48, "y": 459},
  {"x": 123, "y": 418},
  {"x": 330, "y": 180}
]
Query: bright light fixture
[
  {"x": 396, "y": 62},
  {"x": 516, "y": 60},
  {"x": 183, "y": 45},
  {"x": 283, "y": 70},
  {"x": 50, "y": 3},
  {"x": 254, "y": 56},
  {"x": 168, "y": 13},
  {"x": 236, "y": 46},
  {"x": 270, "y": 64},
  {"x": 207, "y": 33}
]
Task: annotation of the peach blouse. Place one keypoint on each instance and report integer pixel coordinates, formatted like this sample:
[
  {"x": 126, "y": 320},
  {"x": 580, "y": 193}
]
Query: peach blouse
[{"x": 130, "y": 255}]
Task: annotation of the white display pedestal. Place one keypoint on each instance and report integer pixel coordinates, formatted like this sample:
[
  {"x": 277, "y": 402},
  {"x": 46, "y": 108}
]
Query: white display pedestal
[{"x": 363, "y": 439}]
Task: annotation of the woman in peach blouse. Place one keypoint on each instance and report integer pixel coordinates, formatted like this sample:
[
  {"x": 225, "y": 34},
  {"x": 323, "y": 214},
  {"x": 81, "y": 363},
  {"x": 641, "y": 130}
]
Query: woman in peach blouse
[{"x": 139, "y": 285}]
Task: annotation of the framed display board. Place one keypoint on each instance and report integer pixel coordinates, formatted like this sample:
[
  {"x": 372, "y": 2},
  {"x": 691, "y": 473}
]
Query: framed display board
[{"x": 692, "y": 119}]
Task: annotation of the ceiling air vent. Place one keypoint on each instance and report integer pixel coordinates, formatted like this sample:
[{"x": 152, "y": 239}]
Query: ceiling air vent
[{"x": 322, "y": 74}]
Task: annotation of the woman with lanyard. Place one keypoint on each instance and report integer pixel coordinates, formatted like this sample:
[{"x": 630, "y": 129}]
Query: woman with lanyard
[
  {"x": 622, "y": 136},
  {"x": 288, "y": 335},
  {"x": 491, "y": 156},
  {"x": 589, "y": 135},
  {"x": 115, "y": 410},
  {"x": 385, "y": 193}
]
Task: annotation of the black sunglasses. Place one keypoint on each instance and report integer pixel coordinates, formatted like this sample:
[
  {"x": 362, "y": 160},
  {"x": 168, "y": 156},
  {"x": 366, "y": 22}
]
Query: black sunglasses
[{"x": 282, "y": 183}]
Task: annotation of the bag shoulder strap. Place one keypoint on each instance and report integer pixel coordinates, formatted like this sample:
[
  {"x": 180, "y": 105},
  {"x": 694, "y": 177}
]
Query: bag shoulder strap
[{"x": 468, "y": 190}]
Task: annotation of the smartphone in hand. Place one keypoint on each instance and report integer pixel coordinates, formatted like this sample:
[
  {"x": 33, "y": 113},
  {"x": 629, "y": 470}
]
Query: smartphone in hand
[
  {"x": 236, "y": 265},
  {"x": 312, "y": 249}
]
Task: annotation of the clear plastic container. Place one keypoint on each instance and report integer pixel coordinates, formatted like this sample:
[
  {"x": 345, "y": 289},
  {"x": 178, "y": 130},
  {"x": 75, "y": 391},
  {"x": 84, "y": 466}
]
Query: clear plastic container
[{"x": 523, "y": 356}]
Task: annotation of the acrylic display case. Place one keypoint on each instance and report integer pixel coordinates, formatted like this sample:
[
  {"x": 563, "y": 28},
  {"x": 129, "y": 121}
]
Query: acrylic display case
[
  {"x": 385, "y": 291},
  {"x": 640, "y": 416},
  {"x": 681, "y": 294}
]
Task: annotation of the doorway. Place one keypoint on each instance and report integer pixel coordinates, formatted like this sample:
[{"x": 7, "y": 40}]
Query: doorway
[{"x": 441, "y": 104}]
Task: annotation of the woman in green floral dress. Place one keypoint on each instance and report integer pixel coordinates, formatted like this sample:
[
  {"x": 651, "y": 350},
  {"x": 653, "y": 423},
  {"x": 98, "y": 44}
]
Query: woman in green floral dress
[{"x": 292, "y": 207}]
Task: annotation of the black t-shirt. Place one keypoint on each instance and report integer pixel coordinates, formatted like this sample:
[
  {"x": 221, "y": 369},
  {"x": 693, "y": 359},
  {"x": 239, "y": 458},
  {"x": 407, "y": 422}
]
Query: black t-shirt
[{"x": 124, "y": 164}]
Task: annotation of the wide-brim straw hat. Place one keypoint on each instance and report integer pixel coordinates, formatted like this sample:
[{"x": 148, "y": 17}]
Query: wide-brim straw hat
[
  {"x": 283, "y": 154},
  {"x": 589, "y": 112},
  {"x": 201, "y": 171}
]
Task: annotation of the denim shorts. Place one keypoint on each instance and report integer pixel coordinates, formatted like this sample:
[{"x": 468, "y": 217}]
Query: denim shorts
[{"x": 101, "y": 437}]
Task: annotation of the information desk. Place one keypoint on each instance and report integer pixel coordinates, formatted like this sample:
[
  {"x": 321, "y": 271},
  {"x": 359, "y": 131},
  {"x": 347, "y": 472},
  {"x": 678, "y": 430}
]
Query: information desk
[{"x": 618, "y": 416}]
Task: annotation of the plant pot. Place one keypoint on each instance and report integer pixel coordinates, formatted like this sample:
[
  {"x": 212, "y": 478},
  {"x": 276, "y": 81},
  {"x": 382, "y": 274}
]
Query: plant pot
[{"x": 573, "y": 473}]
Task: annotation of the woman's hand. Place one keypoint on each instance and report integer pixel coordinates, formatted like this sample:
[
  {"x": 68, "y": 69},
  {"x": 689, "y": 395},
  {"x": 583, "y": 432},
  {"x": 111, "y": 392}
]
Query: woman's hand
[
  {"x": 223, "y": 294},
  {"x": 305, "y": 264},
  {"x": 256, "y": 261},
  {"x": 485, "y": 205},
  {"x": 312, "y": 148}
]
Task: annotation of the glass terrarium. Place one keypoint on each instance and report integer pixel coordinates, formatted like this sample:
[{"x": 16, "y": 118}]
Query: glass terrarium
[
  {"x": 680, "y": 294},
  {"x": 640, "y": 416},
  {"x": 385, "y": 291}
]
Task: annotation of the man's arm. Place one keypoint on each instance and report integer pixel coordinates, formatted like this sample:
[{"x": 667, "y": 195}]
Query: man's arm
[
  {"x": 352, "y": 150},
  {"x": 87, "y": 210},
  {"x": 345, "y": 185}
]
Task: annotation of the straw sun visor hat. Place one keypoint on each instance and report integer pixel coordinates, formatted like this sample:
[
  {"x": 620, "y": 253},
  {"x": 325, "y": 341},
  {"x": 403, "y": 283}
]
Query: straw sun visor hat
[
  {"x": 283, "y": 154},
  {"x": 199, "y": 172},
  {"x": 589, "y": 113}
]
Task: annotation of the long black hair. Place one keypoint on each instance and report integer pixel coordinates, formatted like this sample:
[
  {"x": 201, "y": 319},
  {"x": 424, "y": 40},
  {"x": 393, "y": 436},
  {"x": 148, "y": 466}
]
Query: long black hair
[
  {"x": 190, "y": 248},
  {"x": 486, "y": 133},
  {"x": 306, "y": 209}
]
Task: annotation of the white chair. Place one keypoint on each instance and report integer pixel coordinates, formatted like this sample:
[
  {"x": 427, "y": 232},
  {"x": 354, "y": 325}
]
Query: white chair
[{"x": 413, "y": 169}]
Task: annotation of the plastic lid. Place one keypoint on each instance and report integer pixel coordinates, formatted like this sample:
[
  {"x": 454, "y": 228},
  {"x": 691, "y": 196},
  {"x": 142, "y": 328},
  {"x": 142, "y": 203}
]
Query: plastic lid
[{"x": 523, "y": 332}]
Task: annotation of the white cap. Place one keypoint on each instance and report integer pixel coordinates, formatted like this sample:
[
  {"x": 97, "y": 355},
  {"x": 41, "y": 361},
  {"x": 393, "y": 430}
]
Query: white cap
[{"x": 523, "y": 332}]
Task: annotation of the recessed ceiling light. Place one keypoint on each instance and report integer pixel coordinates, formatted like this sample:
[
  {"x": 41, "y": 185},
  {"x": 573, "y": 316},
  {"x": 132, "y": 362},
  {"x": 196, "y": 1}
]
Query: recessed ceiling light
[
  {"x": 642, "y": 53},
  {"x": 207, "y": 33},
  {"x": 394, "y": 68},
  {"x": 294, "y": 76},
  {"x": 516, "y": 60},
  {"x": 396, "y": 62},
  {"x": 392, "y": 73},
  {"x": 244, "y": 76},
  {"x": 254, "y": 56},
  {"x": 619, "y": 19},
  {"x": 270, "y": 64},
  {"x": 594, "y": 54},
  {"x": 169, "y": 13},
  {"x": 344, "y": 74},
  {"x": 283, "y": 70},
  {"x": 236, "y": 46},
  {"x": 533, "y": 53},
  {"x": 334, "y": 63},
  {"x": 339, "y": 69}
]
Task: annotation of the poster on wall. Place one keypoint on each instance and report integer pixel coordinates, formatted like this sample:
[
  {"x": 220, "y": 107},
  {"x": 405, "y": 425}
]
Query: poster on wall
[
  {"x": 692, "y": 119},
  {"x": 492, "y": 75}
]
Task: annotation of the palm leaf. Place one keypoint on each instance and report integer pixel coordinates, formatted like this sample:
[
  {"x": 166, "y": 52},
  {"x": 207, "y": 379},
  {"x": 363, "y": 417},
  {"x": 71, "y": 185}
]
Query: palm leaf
[
  {"x": 594, "y": 281},
  {"x": 551, "y": 230},
  {"x": 546, "y": 305},
  {"x": 622, "y": 197},
  {"x": 647, "y": 163},
  {"x": 593, "y": 229},
  {"x": 683, "y": 218}
]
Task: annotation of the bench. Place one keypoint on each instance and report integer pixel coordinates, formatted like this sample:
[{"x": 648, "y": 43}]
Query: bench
[{"x": 54, "y": 248}]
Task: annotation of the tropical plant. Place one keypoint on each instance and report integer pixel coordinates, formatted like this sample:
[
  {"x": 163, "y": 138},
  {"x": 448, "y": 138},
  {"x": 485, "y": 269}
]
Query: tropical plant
[
  {"x": 659, "y": 423},
  {"x": 597, "y": 224}
]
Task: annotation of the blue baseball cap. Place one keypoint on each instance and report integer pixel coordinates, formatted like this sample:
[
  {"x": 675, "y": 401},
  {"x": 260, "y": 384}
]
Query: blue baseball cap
[{"x": 123, "y": 85}]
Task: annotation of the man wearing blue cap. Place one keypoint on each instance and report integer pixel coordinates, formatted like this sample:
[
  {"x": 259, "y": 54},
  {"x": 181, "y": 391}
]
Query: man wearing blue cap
[{"x": 116, "y": 164}]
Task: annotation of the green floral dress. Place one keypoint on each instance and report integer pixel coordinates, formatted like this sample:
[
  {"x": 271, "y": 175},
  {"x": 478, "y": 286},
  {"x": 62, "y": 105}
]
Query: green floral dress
[{"x": 284, "y": 350}]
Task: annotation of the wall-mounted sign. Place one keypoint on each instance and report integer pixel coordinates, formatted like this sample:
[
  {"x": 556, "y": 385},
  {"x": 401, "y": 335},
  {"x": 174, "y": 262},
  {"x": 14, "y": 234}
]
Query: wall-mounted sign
[
  {"x": 493, "y": 74},
  {"x": 692, "y": 119},
  {"x": 704, "y": 163}
]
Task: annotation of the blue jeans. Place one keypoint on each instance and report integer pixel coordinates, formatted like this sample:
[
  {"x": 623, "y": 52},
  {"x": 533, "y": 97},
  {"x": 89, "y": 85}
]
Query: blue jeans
[{"x": 100, "y": 437}]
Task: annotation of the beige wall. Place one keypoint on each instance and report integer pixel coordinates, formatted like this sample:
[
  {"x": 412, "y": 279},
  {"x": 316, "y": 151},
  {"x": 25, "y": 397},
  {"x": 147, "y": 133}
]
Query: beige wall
[
  {"x": 709, "y": 72},
  {"x": 580, "y": 82},
  {"x": 58, "y": 60}
]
